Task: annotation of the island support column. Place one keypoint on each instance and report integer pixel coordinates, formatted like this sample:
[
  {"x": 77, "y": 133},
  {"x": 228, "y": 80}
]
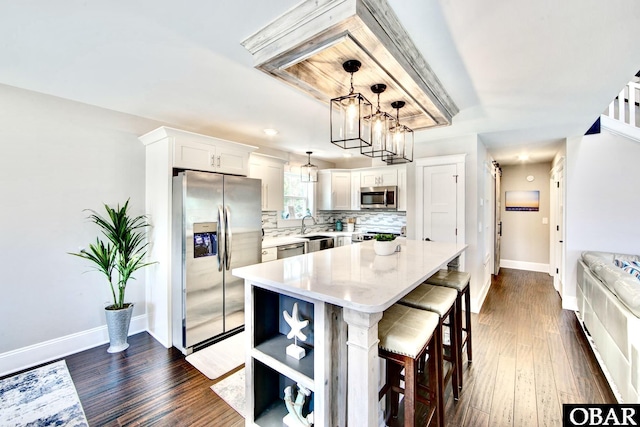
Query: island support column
[{"x": 362, "y": 368}]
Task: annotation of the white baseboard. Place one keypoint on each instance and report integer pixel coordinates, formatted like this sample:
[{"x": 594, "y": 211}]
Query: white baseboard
[
  {"x": 570, "y": 303},
  {"x": 522, "y": 265},
  {"x": 36, "y": 354},
  {"x": 476, "y": 303}
]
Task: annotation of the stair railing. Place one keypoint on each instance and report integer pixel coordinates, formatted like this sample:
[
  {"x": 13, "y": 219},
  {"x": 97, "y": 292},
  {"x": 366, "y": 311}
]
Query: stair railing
[{"x": 625, "y": 107}]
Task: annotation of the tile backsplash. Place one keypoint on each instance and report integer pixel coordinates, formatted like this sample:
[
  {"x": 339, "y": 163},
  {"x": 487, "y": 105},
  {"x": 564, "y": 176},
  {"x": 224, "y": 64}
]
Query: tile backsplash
[{"x": 364, "y": 221}]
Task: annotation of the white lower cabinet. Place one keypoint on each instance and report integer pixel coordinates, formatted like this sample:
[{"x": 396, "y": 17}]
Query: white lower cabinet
[
  {"x": 269, "y": 370},
  {"x": 269, "y": 254},
  {"x": 343, "y": 240}
]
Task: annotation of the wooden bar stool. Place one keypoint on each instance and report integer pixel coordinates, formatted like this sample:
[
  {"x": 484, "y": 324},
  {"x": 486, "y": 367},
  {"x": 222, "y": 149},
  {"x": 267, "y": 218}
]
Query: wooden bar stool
[
  {"x": 406, "y": 335},
  {"x": 442, "y": 301},
  {"x": 458, "y": 280}
]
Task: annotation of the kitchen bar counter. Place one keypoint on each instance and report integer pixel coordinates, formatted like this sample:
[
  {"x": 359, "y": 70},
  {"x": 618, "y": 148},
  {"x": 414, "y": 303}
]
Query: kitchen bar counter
[{"x": 348, "y": 285}]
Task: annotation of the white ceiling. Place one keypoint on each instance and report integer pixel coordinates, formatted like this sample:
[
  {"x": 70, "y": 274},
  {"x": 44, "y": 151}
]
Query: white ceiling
[{"x": 524, "y": 74}]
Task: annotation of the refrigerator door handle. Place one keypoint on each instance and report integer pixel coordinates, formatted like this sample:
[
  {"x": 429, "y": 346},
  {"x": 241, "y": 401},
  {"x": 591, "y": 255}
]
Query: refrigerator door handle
[
  {"x": 221, "y": 240},
  {"x": 227, "y": 237}
]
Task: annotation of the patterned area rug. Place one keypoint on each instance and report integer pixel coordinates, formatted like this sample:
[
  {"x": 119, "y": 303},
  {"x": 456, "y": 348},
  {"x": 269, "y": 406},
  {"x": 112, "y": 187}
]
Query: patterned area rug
[
  {"x": 44, "y": 396},
  {"x": 231, "y": 390}
]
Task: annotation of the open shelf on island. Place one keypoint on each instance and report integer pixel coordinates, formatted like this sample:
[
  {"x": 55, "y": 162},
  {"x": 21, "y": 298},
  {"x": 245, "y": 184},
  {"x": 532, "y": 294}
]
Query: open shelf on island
[
  {"x": 269, "y": 394},
  {"x": 273, "y": 415},
  {"x": 273, "y": 353}
]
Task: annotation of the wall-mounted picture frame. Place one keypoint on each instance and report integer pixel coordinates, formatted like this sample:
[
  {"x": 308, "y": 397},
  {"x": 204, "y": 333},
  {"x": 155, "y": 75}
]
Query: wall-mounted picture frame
[{"x": 524, "y": 201}]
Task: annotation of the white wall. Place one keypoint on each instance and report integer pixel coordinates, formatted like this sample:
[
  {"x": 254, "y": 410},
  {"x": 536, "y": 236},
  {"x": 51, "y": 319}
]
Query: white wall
[
  {"x": 58, "y": 158},
  {"x": 602, "y": 203},
  {"x": 474, "y": 168},
  {"x": 525, "y": 238}
]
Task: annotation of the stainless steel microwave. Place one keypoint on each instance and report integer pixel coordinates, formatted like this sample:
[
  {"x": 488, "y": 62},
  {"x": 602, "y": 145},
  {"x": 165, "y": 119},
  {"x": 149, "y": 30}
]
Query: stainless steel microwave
[{"x": 379, "y": 197}]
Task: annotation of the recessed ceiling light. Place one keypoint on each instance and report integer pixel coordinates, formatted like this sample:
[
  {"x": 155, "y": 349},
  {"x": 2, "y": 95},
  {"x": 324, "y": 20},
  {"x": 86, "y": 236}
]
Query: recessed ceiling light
[
  {"x": 270, "y": 132},
  {"x": 523, "y": 157}
]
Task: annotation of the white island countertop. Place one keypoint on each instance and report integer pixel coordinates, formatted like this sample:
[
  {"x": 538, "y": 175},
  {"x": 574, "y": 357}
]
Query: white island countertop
[{"x": 353, "y": 276}]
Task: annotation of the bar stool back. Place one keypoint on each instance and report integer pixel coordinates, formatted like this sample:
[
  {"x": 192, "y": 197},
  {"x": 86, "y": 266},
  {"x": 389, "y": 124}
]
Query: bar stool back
[
  {"x": 442, "y": 301},
  {"x": 406, "y": 335},
  {"x": 458, "y": 280}
]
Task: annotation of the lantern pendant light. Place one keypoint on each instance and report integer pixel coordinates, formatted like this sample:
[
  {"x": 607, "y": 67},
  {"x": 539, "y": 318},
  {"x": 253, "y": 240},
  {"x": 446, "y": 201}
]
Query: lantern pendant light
[
  {"x": 402, "y": 140},
  {"x": 381, "y": 123},
  {"x": 309, "y": 172},
  {"x": 348, "y": 127}
]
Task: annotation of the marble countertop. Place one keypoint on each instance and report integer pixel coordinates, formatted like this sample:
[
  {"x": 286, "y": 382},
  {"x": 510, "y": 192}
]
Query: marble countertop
[
  {"x": 270, "y": 242},
  {"x": 353, "y": 276}
]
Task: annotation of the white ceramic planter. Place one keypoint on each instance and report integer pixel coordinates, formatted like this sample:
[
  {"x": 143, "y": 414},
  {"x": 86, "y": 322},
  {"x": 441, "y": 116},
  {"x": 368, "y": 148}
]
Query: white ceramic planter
[{"x": 385, "y": 248}]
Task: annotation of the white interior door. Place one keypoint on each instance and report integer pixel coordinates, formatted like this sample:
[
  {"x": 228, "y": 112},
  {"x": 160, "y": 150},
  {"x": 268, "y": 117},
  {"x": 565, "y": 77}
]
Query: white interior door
[{"x": 439, "y": 203}]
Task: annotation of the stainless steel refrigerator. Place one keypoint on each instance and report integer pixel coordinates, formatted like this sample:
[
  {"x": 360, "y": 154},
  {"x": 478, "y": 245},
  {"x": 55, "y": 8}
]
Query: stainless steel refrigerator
[{"x": 216, "y": 227}]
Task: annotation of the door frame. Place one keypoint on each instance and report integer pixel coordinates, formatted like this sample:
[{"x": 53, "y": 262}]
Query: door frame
[
  {"x": 459, "y": 161},
  {"x": 557, "y": 237},
  {"x": 497, "y": 216}
]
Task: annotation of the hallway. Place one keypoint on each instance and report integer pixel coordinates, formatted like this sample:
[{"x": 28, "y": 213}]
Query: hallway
[{"x": 529, "y": 358}]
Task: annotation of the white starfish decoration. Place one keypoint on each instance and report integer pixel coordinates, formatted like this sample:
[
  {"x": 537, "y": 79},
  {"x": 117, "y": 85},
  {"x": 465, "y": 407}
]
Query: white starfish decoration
[{"x": 296, "y": 324}]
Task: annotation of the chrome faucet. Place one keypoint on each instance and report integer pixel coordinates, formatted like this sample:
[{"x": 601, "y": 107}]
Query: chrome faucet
[{"x": 304, "y": 228}]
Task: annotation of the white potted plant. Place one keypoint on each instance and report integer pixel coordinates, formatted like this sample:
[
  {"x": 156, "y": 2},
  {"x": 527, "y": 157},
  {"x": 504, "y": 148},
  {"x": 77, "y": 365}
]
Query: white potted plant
[
  {"x": 118, "y": 256},
  {"x": 384, "y": 244}
]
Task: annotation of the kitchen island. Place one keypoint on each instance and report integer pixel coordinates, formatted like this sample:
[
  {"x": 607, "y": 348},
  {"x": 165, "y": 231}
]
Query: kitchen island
[{"x": 343, "y": 292}]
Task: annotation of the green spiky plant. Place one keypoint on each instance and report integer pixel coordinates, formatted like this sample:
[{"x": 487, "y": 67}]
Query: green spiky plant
[{"x": 122, "y": 252}]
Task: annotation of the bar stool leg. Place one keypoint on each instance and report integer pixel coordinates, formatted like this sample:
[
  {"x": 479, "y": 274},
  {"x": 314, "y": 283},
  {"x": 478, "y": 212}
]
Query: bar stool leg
[
  {"x": 456, "y": 351},
  {"x": 459, "y": 335},
  {"x": 437, "y": 380},
  {"x": 410, "y": 373},
  {"x": 468, "y": 323}
]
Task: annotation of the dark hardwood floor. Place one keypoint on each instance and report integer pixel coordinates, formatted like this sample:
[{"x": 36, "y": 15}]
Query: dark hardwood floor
[
  {"x": 529, "y": 358},
  {"x": 146, "y": 385}
]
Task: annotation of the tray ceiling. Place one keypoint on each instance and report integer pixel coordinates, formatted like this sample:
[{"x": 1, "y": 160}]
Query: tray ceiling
[{"x": 307, "y": 46}]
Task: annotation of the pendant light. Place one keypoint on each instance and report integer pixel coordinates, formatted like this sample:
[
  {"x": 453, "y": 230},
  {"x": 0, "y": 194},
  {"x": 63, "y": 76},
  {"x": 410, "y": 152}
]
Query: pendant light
[
  {"x": 348, "y": 127},
  {"x": 309, "y": 172},
  {"x": 402, "y": 139},
  {"x": 381, "y": 123}
]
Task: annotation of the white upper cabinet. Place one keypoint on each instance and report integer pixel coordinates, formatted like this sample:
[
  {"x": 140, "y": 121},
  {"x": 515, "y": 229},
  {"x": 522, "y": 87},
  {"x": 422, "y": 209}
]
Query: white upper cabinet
[
  {"x": 201, "y": 152},
  {"x": 402, "y": 188},
  {"x": 223, "y": 157},
  {"x": 378, "y": 177},
  {"x": 270, "y": 171},
  {"x": 355, "y": 191},
  {"x": 334, "y": 190}
]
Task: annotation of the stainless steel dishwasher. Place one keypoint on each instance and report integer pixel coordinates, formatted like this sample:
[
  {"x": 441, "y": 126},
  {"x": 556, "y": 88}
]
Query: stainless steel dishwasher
[{"x": 286, "y": 251}]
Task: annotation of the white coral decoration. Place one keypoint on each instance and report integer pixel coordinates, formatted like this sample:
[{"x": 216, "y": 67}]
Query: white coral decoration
[{"x": 295, "y": 408}]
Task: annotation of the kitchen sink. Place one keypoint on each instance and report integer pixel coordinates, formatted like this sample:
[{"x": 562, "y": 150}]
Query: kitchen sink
[
  {"x": 319, "y": 243},
  {"x": 317, "y": 237}
]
